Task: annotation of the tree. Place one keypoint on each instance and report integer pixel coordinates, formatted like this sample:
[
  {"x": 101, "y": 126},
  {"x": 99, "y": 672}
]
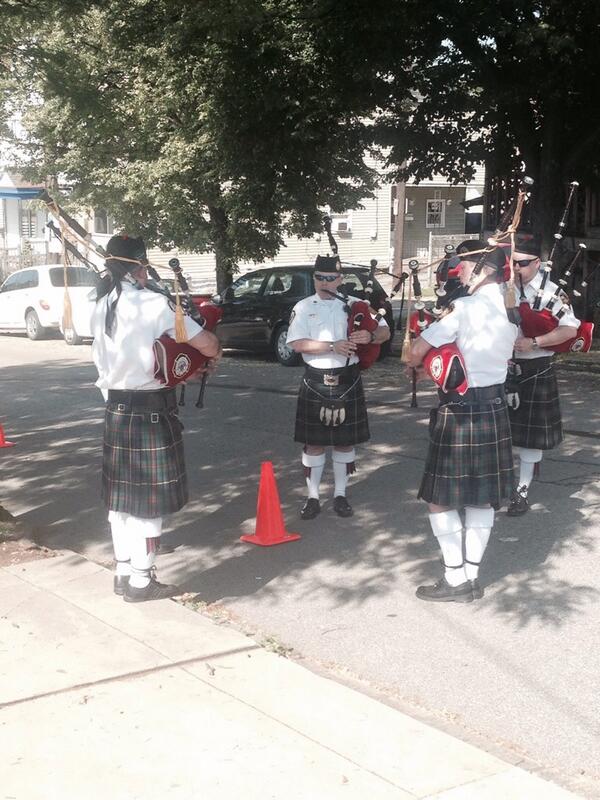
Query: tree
[
  {"x": 222, "y": 125},
  {"x": 514, "y": 84}
]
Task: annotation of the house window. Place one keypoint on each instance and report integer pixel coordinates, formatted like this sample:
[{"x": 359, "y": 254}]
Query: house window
[
  {"x": 435, "y": 214},
  {"x": 341, "y": 223},
  {"x": 103, "y": 223},
  {"x": 28, "y": 223}
]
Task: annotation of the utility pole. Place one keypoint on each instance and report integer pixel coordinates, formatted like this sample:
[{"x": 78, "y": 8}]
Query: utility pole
[{"x": 399, "y": 228}]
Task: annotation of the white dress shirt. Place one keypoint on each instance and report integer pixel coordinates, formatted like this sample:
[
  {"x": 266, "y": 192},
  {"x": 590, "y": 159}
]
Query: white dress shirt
[
  {"x": 479, "y": 326},
  {"x": 322, "y": 321},
  {"x": 127, "y": 360},
  {"x": 568, "y": 318}
]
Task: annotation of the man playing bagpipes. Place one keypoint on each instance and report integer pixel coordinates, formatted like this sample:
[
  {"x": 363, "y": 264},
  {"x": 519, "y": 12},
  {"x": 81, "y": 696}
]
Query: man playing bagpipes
[
  {"x": 534, "y": 412},
  {"x": 143, "y": 469},
  {"x": 469, "y": 464},
  {"x": 331, "y": 409}
]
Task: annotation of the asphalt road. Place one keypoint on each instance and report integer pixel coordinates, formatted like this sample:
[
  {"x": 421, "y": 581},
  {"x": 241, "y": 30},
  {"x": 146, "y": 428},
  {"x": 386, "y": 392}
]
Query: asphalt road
[{"x": 516, "y": 673}]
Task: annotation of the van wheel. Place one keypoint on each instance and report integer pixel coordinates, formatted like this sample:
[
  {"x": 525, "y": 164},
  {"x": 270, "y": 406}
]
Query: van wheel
[
  {"x": 71, "y": 337},
  {"x": 32, "y": 325},
  {"x": 284, "y": 354}
]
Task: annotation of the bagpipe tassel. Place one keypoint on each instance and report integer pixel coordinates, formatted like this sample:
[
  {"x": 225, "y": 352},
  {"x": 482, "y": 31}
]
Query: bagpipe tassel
[
  {"x": 67, "y": 319},
  {"x": 180, "y": 331}
]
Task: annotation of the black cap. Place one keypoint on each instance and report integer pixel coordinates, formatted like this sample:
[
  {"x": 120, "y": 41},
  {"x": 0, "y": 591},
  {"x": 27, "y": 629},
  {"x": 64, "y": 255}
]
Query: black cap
[
  {"x": 328, "y": 264},
  {"x": 496, "y": 259},
  {"x": 528, "y": 243},
  {"x": 126, "y": 247},
  {"x": 465, "y": 249}
]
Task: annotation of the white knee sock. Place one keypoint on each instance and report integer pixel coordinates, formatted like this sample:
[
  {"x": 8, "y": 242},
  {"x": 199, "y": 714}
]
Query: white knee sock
[
  {"x": 343, "y": 465},
  {"x": 143, "y": 537},
  {"x": 478, "y": 527},
  {"x": 120, "y": 539},
  {"x": 447, "y": 528},
  {"x": 528, "y": 458},
  {"x": 313, "y": 471}
]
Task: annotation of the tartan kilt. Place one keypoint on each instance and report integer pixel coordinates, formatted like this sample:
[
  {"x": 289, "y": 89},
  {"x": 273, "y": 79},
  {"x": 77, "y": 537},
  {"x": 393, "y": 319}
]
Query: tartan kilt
[
  {"x": 537, "y": 422},
  {"x": 470, "y": 460},
  {"x": 313, "y": 392},
  {"x": 143, "y": 466}
]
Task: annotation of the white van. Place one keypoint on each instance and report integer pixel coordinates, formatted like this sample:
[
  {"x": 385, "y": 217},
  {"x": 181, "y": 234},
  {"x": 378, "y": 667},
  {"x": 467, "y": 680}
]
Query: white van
[{"x": 31, "y": 300}]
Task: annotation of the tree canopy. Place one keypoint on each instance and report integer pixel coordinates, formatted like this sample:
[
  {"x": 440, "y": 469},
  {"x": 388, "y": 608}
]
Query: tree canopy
[
  {"x": 227, "y": 125},
  {"x": 513, "y": 84},
  {"x": 220, "y": 125}
]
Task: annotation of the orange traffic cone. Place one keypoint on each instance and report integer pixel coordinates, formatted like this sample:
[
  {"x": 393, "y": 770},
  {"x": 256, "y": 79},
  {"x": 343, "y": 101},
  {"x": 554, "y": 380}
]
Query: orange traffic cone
[
  {"x": 3, "y": 442},
  {"x": 270, "y": 527}
]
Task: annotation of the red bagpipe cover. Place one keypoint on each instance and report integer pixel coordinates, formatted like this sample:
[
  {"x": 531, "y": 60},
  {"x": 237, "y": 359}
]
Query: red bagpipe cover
[
  {"x": 445, "y": 364},
  {"x": 360, "y": 319},
  {"x": 175, "y": 362},
  {"x": 537, "y": 323},
  {"x": 446, "y": 367}
]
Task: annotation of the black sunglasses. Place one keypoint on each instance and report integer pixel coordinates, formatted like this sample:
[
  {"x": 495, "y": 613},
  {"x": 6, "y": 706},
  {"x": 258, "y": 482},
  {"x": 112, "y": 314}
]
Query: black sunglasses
[
  {"x": 526, "y": 261},
  {"x": 326, "y": 278}
]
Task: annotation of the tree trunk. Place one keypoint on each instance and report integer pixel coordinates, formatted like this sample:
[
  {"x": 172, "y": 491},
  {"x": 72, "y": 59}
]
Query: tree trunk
[
  {"x": 550, "y": 190},
  {"x": 225, "y": 263}
]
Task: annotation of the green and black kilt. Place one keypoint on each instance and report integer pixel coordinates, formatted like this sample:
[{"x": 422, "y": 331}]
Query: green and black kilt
[
  {"x": 314, "y": 393},
  {"x": 470, "y": 460},
  {"x": 143, "y": 467},
  {"x": 537, "y": 422}
]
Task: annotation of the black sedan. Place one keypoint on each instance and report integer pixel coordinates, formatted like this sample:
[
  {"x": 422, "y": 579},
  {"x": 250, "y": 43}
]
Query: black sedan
[{"x": 257, "y": 307}]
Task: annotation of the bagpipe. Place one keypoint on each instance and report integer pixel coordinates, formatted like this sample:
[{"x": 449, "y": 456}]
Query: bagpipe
[
  {"x": 175, "y": 360},
  {"x": 537, "y": 320},
  {"x": 361, "y": 317},
  {"x": 444, "y": 364}
]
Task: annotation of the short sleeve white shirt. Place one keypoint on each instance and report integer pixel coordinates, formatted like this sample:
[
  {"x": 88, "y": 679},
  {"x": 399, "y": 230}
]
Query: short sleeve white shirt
[
  {"x": 569, "y": 318},
  {"x": 127, "y": 360},
  {"x": 482, "y": 332},
  {"x": 322, "y": 321}
]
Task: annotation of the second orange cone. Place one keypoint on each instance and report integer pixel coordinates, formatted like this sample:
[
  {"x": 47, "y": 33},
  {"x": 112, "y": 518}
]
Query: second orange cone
[
  {"x": 270, "y": 526},
  {"x": 3, "y": 442}
]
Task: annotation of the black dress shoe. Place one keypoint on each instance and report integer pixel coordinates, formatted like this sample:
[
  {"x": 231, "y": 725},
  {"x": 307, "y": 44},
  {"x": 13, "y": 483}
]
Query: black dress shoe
[
  {"x": 310, "y": 509},
  {"x": 476, "y": 589},
  {"x": 154, "y": 591},
  {"x": 442, "y": 592},
  {"x": 119, "y": 584},
  {"x": 342, "y": 507},
  {"x": 518, "y": 505}
]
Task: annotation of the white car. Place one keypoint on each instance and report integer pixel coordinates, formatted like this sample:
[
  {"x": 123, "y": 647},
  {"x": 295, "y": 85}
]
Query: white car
[{"x": 32, "y": 299}]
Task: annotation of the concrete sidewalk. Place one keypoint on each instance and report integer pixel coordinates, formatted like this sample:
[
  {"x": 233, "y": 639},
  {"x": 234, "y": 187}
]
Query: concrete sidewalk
[{"x": 108, "y": 701}]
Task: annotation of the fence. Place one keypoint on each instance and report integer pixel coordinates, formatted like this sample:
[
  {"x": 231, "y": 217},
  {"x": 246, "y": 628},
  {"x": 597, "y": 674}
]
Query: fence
[{"x": 30, "y": 255}]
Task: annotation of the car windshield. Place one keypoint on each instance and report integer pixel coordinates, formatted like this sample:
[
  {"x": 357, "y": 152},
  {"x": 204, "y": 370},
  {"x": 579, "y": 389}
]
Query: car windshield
[{"x": 76, "y": 276}]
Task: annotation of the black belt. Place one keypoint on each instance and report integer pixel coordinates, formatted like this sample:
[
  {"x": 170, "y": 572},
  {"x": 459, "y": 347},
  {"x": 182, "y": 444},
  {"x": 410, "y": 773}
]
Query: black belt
[
  {"x": 529, "y": 366},
  {"x": 159, "y": 398},
  {"x": 345, "y": 374},
  {"x": 478, "y": 394}
]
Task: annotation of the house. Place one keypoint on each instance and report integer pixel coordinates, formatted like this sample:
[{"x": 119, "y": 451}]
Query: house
[
  {"x": 361, "y": 234},
  {"x": 436, "y": 213},
  {"x": 23, "y": 238}
]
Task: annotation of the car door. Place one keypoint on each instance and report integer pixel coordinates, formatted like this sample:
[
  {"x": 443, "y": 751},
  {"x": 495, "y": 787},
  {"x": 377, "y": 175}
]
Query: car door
[
  {"x": 9, "y": 302},
  {"x": 26, "y": 295},
  {"x": 242, "y": 304}
]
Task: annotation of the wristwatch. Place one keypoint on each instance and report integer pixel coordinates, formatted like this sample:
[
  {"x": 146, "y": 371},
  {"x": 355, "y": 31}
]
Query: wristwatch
[
  {"x": 331, "y": 347},
  {"x": 534, "y": 342}
]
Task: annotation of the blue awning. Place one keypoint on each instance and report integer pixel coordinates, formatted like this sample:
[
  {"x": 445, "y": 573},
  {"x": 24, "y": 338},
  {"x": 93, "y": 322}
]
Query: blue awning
[{"x": 15, "y": 193}]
